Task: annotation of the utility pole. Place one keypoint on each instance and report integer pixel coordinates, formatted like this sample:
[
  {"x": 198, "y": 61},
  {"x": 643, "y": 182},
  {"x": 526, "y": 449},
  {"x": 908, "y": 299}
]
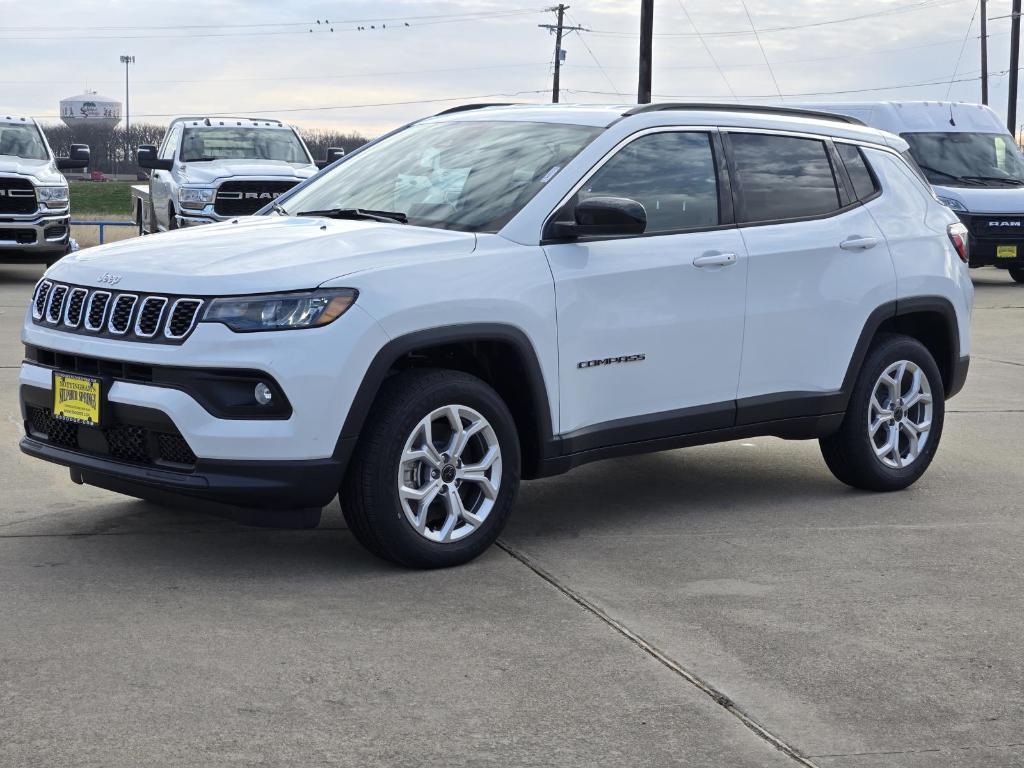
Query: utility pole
[
  {"x": 558, "y": 29},
  {"x": 984, "y": 52},
  {"x": 126, "y": 60},
  {"x": 643, "y": 95},
  {"x": 1011, "y": 99}
]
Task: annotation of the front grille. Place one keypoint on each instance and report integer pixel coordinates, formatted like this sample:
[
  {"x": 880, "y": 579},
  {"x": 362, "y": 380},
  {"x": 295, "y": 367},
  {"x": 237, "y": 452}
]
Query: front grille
[
  {"x": 244, "y": 198},
  {"x": 17, "y": 196},
  {"x": 131, "y": 443},
  {"x": 75, "y": 305},
  {"x": 24, "y": 236},
  {"x": 995, "y": 226},
  {"x": 138, "y": 317}
]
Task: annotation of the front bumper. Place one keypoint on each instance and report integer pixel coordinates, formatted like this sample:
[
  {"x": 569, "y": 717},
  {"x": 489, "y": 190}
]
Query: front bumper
[{"x": 39, "y": 233}]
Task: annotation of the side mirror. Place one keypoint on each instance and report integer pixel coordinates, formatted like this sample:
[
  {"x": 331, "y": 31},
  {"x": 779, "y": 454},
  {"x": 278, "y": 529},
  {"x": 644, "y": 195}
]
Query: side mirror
[
  {"x": 147, "y": 158},
  {"x": 78, "y": 157},
  {"x": 604, "y": 216},
  {"x": 333, "y": 153}
]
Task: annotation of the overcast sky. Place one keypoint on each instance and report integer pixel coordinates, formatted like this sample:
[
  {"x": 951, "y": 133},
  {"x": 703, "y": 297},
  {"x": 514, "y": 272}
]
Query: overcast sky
[{"x": 248, "y": 56}]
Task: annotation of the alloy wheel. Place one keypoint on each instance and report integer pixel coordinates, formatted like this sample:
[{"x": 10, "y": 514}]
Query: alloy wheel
[{"x": 900, "y": 414}]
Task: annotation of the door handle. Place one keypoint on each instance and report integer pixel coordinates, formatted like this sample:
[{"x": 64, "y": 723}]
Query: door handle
[
  {"x": 858, "y": 243},
  {"x": 715, "y": 259}
]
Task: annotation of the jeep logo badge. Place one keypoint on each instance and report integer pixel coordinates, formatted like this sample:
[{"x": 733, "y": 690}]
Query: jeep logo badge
[{"x": 109, "y": 278}]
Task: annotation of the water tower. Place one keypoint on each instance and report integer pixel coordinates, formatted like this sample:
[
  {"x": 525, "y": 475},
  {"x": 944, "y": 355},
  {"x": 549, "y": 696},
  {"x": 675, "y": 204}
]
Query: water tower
[{"x": 90, "y": 108}]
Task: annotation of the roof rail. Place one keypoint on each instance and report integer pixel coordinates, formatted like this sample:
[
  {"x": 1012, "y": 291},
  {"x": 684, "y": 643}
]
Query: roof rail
[
  {"x": 727, "y": 107},
  {"x": 202, "y": 118},
  {"x": 468, "y": 107}
]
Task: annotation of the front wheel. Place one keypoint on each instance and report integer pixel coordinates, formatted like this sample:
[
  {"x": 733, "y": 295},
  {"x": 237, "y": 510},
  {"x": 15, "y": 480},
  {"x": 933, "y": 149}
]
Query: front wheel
[
  {"x": 1017, "y": 273},
  {"x": 893, "y": 421},
  {"x": 436, "y": 470}
]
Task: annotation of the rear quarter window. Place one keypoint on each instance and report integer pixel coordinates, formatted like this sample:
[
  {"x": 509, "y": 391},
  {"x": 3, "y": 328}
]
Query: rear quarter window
[
  {"x": 864, "y": 184},
  {"x": 782, "y": 177}
]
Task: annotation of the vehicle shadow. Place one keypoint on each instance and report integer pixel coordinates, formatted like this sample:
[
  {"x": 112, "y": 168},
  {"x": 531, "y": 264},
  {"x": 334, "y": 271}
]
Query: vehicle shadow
[{"x": 21, "y": 274}]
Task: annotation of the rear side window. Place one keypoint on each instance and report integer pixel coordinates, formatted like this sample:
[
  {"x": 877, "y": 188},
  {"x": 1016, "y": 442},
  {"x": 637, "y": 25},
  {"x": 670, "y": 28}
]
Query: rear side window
[
  {"x": 864, "y": 185},
  {"x": 671, "y": 174},
  {"x": 783, "y": 177}
]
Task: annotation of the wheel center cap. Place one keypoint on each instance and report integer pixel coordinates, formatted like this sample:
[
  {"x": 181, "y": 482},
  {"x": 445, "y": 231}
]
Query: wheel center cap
[
  {"x": 898, "y": 413},
  {"x": 448, "y": 473}
]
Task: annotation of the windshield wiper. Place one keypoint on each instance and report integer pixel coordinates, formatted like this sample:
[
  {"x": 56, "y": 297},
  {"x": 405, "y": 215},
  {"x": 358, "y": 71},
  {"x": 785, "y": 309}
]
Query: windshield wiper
[
  {"x": 201, "y": 159},
  {"x": 948, "y": 175},
  {"x": 1003, "y": 179},
  {"x": 389, "y": 217}
]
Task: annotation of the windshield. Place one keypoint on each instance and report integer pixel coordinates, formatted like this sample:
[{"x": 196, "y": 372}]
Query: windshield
[
  {"x": 223, "y": 143},
  {"x": 967, "y": 159},
  {"x": 468, "y": 176},
  {"x": 22, "y": 141}
]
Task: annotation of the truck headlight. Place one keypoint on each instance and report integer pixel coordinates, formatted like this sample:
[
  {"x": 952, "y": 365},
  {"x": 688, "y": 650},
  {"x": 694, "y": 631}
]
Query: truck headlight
[
  {"x": 952, "y": 204},
  {"x": 196, "y": 197},
  {"x": 281, "y": 311},
  {"x": 53, "y": 197}
]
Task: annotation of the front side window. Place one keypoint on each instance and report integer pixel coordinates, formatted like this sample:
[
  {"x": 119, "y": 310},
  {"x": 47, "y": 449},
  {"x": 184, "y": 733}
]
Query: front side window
[
  {"x": 672, "y": 174},
  {"x": 783, "y": 177},
  {"x": 201, "y": 143},
  {"x": 170, "y": 144},
  {"x": 22, "y": 141},
  {"x": 968, "y": 159},
  {"x": 472, "y": 176}
]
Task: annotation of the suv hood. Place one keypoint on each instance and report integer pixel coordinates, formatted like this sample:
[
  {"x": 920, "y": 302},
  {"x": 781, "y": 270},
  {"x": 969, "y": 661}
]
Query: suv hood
[
  {"x": 40, "y": 171},
  {"x": 258, "y": 254},
  {"x": 206, "y": 172},
  {"x": 986, "y": 199}
]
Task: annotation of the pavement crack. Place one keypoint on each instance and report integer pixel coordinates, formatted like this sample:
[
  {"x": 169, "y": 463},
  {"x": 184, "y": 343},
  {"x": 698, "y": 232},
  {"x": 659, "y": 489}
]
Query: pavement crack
[
  {"x": 720, "y": 698},
  {"x": 929, "y": 750},
  {"x": 997, "y": 360}
]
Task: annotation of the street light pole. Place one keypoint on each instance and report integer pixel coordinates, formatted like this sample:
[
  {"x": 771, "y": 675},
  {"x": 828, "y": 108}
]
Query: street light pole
[{"x": 126, "y": 60}]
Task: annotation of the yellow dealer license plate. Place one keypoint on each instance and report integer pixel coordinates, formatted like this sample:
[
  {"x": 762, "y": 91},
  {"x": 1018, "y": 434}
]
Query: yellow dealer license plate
[
  {"x": 76, "y": 398},
  {"x": 1006, "y": 251}
]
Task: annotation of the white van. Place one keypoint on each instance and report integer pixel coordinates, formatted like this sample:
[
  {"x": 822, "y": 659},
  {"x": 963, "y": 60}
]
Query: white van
[{"x": 972, "y": 162}]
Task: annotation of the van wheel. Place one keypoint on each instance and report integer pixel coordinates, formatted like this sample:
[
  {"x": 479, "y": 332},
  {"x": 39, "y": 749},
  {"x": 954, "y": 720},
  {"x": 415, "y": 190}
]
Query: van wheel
[
  {"x": 172, "y": 222},
  {"x": 894, "y": 419},
  {"x": 1017, "y": 273},
  {"x": 436, "y": 470}
]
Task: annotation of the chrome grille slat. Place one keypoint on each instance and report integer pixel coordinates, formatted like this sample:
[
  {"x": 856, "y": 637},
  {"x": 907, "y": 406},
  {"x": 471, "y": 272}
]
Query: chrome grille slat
[
  {"x": 182, "y": 318},
  {"x": 74, "y": 307},
  {"x": 151, "y": 312},
  {"x": 97, "y": 311},
  {"x": 121, "y": 314},
  {"x": 132, "y": 316},
  {"x": 55, "y": 303},
  {"x": 39, "y": 300}
]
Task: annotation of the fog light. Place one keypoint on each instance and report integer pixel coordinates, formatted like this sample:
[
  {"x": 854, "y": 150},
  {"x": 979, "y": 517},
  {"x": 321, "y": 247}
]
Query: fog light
[{"x": 263, "y": 394}]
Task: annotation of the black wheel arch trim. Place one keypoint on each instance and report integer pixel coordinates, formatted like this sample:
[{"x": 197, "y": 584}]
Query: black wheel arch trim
[{"x": 397, "y": 348}]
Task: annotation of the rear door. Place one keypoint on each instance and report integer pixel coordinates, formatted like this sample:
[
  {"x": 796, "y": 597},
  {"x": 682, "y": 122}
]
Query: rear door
[
  {"x": 818, "y": 267},
  {"x": 650, "y": 326}
]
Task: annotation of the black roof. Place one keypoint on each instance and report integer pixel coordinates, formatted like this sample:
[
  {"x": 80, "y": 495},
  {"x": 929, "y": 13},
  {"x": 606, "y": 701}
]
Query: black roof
[{"x": 769, "y": 109}]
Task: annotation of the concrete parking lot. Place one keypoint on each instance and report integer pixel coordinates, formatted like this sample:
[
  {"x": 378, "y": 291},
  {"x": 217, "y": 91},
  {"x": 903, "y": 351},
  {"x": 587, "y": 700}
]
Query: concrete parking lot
[{"x": 705, "y": 607}]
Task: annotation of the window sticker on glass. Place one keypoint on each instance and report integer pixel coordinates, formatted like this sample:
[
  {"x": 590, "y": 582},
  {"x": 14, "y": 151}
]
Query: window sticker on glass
[{"x": 550, "y": 174}]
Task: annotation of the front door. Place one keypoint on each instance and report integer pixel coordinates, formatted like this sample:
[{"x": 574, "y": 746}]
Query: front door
[{"x": 650, "y": 327}]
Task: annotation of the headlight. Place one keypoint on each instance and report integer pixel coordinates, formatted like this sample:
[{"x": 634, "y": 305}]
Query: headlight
[
  {"x": 949, "y": 202},
  {"x": 52, "y": 197},
  {"x": 282, "y": 311},
  {"x": 196, "y": 197}
]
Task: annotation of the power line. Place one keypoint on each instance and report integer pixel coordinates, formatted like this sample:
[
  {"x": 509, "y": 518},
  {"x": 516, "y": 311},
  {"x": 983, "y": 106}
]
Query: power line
[
  {"x": 707, "y": 49},
  {"x": 922, "y": 5},
  {"x": 594, "y": 57},
  {"x": 963, "y": 45},
  {"x": 760, "y": 45}
]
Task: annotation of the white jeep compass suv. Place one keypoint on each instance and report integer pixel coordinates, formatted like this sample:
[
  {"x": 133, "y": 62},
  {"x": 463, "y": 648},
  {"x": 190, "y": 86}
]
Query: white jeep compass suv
[{"x": 507, "y": 292}]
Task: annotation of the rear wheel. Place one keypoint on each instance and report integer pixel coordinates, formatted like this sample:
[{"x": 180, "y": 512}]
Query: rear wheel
[
  {"x": 436, "y": 471},
  {"x": 893, "y": 421},
  {"x": 1017, "y": 273}
]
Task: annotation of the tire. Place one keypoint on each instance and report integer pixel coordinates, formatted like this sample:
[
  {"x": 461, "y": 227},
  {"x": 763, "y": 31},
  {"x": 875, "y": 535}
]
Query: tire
[
  {"x": 852, "y": 454},
  {"x": 172, "y": 222},
  {"x": 1017, "y": 273},
  {"x": 395, "y": 526}
]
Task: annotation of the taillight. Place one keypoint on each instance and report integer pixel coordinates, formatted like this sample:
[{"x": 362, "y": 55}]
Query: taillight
[{"x": 958, "y": 237}]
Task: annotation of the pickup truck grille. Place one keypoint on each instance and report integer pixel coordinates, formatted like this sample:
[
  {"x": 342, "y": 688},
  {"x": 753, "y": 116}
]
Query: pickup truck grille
[
  {"x": 244, "y": 198},
  {"x": 17, "y": 196},
  {"x": 106, "y": 314}
]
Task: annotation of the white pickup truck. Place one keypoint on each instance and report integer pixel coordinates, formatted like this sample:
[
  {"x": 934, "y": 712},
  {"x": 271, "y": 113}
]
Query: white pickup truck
[
  {"x": 34, "y": 204},
  {"x": 216, "y": 168}
]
